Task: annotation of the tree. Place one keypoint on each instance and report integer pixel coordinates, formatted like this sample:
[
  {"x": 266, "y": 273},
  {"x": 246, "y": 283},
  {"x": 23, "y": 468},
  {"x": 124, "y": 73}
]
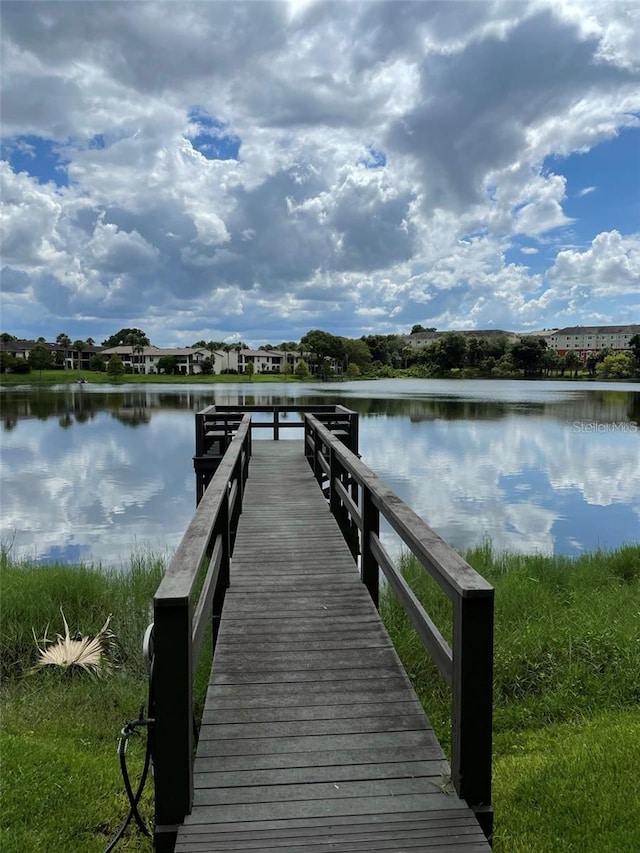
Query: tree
[
  {"x": 448, "y": 352},
  {"x": 7, "y": 362},
  {"x": 249, "y": 370},
  {"x": 618, "y": 366},
  {"x": 206, "y": 367},
  {"x": 323, "y": 345},
  {"x": 302, "y": 370},
  {"x": 592, "y": 363},
  {"x": 476, "y": 351},
  {"x": 634, "y": 344},
  {"x": 227, "y": 348},
  {"x": 122, "y": 338},
  {"x": 91, "y": 342},
  {"x": 115, "y": 368},
  {"x": 40, "y": 358},
  {"x": 6, "y": 338},
  {"x": 572, "y": 362},
  {"x": 167, "y": 364},
  {"x": 287, "y": 347},
  {"x": 137, "y": 340},
  {"x": 356, "y": 352},
  {"x": 213, "y": 347},
  {"x": 96, "y": 363},
  {"x": 79, "y": 346},
  {"x": 64, "y": 340},
  {"x": 550, "y": 361},
  {"x": 527, "y": 355}
]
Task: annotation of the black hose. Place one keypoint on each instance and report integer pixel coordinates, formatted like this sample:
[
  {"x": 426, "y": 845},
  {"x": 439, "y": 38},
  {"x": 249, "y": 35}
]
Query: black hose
[{"x": 131, "y": 728}]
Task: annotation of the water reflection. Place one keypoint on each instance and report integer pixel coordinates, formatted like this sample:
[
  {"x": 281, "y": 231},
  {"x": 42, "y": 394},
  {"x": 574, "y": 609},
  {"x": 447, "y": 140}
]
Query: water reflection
[{"x": 92, "y": 473}]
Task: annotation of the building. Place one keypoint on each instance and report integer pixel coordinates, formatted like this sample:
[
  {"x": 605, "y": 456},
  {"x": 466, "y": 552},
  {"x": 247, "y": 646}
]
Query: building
[
  {"x": 421, "y": 339},
  {"x": 189, "y": 359},
  {"x": 145, "y": 359},
  {"x": 587, "y": 340},
  {"x": 66, "y": 357}
]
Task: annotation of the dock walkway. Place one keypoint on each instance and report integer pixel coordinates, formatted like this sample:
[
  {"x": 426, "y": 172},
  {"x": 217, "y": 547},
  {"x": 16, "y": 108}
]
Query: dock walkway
[{"x": 312, "y": 737}]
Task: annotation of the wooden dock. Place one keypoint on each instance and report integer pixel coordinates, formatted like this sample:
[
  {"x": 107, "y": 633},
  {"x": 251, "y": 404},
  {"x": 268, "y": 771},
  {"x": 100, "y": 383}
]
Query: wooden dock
[{"x": 312, "y": 737}]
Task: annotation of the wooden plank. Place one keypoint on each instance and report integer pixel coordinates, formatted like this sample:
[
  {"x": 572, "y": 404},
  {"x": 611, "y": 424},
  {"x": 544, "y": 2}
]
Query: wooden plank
[
  {"x": 437, "y": 768},
  {"x": 292, "y": 795},
  {"x": 300, "y": 728},
  {"x": 207, "y": 813},
  {"x": 312, "y": 736},
  {"x": 279, "y": 713},
  {"x": 344, "y": 825},
  {"x": 310, "y": 743},
  {"x": 321, "y": 758},
  {"x": 344, "y": 675}
]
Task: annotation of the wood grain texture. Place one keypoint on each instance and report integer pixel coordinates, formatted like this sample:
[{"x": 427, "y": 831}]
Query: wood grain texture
[{"x": 312, "y": 737}]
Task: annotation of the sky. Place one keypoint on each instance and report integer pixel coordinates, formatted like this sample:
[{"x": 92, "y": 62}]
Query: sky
[{"x": 253, "y": 170}]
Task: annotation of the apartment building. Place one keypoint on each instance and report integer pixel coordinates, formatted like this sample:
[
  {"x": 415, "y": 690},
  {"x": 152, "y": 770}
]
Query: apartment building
[
  {"x": 585, "y": 340},
  {"x": 188, "y": 359}
]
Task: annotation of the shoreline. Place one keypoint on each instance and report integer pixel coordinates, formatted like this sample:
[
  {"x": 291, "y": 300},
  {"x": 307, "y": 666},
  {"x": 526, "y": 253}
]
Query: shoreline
[{"x": 58, "y": 378}]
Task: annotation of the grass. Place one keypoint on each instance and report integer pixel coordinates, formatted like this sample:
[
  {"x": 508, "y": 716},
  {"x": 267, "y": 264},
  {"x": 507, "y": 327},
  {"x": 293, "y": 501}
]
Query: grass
[
  {"x": 567, "y": 715},
  {"x": 62, "y": 788},
  {"x": 70, "y": 377},
  {"x": 566, "y": 694},
  {"x": 569, "y": 787}
]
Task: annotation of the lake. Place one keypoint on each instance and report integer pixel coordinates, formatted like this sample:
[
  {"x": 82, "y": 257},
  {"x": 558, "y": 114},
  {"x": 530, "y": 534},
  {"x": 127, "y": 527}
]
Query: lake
[{"x": 92, "y": 473}]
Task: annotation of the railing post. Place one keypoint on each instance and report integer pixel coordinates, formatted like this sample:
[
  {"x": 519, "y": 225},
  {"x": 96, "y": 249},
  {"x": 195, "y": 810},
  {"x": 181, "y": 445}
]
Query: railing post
[
  {"x": 276, "y": 424},
  {"x": 472, "y": 702},
  {"x": 200, "y": 434},
  {"x": 317, "y": 451},
  {"x": 173, "y": 729},
  {"x": 369, "y": 564},
  {"x": 308, "y": 431},
  {"x": 223, "y": 528},
  {"x": 335, "y": 504}
]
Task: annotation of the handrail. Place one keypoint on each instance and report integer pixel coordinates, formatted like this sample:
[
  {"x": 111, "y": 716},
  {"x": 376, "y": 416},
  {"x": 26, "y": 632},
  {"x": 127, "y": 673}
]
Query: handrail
[
  {"x": 220, "y": 421},
  {"x": 358, "y": 499},
  {"x": 183, "y": 606}
]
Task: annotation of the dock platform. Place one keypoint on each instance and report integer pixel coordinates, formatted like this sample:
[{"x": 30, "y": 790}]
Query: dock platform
[{"x": 312, "y": 737}]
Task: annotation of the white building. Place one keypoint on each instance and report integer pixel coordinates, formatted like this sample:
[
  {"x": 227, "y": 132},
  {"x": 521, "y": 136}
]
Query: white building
[{"x": 188, "y": 359}]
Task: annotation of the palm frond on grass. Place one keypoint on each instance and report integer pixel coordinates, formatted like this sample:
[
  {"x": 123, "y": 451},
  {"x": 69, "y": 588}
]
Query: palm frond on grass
[{"x": 97, "y": 655}]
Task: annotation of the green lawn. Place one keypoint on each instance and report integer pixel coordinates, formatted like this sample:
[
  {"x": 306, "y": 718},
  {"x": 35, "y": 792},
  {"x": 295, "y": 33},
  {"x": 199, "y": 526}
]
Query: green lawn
[
  {"x": 566, "y": 702},
  {"x": 70, "y": 377},
  {"x": 566, "y": 695}
]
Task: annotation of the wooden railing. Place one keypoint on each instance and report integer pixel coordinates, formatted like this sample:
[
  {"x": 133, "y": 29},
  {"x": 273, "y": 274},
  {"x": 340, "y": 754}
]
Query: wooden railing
[
  {"x": 217, "y": 425},
  {"x": 189, "y": 596},
  {"x": 359, "y": 499},
  {"x": 219, "y": 422}
]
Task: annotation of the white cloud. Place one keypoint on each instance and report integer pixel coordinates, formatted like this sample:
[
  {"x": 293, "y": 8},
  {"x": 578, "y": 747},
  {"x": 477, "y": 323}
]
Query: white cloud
[
  {"x": 461, "y": 103},
  {"x": 611, "y": 266}
]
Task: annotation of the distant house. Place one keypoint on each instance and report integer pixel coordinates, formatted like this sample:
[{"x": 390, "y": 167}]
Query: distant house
[
  {"x": 273, "y": 360},
  {"x": 586, "y": 340},
  {"x": 66, "y": 357},
  {"x": 188, "y": 359}
]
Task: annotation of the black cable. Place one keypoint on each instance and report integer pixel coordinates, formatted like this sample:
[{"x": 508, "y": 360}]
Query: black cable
[{"x": 130, "y": 728}]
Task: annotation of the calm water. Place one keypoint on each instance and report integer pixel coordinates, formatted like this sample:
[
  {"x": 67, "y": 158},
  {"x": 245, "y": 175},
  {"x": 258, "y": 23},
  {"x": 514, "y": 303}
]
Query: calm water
[{"x": 93, "y": 473}]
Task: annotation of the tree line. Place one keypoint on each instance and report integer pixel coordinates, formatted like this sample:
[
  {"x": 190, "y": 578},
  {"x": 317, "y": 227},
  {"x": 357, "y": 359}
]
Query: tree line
[{"x": 452, "y": 353}]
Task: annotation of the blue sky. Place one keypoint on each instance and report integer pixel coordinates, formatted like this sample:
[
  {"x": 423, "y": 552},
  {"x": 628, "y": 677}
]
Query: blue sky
[{"x": 252, "y": 170}]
